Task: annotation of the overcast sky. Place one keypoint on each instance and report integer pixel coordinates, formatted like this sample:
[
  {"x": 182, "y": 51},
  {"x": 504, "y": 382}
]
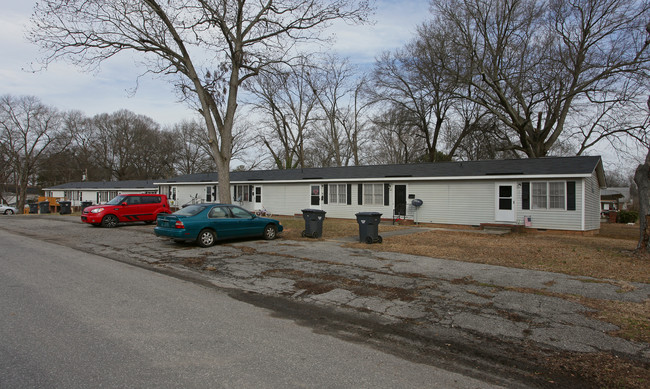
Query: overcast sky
[{"x": 111, "y": 88}]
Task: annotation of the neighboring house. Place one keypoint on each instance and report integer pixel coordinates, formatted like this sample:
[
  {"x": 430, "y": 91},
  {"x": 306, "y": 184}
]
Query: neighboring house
[
  {"x": 9, "y": 195},
  {"x": 561, "y": 193},
  {"x": 615, "y": 199},
  {"x": 98, "y": 192}
]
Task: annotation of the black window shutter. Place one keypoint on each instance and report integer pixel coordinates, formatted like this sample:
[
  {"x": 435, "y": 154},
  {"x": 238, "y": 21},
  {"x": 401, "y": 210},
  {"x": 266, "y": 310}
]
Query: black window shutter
[
  {"x": 349, "y": 194},
  {"x": 571, "y": 195},
  {"x": 386, "y": 194},
  {"x": 325, "y": 197},
  {"x": 525, "y": 195},
  {"x": 360, "y": 194}
]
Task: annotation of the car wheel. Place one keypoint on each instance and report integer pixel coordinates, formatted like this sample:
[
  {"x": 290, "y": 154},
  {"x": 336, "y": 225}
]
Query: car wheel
[
  {"x": 110, "y": 221},
  {"x": 9, "y": 212},
  {"x": 206, "y": 238},
  {"x": 270, "y": 232}
]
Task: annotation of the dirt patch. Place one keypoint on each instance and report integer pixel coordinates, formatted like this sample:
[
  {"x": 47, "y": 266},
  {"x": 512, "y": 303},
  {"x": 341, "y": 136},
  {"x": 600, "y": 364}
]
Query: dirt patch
[
  {"x": 194, "y": 262},
  {"x": 601, "y": 370},
  {"x": 633, "y": 319},
  {"x": 322, "y": 283}
]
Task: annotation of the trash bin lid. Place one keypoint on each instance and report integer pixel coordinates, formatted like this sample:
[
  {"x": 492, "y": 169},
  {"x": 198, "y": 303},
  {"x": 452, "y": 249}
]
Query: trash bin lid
[
  {"x": 368, "y": 214},
  {"x": 308, "y": 210}
]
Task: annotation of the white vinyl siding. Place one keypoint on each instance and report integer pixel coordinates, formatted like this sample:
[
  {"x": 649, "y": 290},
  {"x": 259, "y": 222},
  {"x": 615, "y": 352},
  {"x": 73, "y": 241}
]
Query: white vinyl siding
[
  {"x": 554, "y": 218},
  {"x": 469, "y": 202},
  {"x": 592, "y": 201},
  {"x": 452, "y": 202}
]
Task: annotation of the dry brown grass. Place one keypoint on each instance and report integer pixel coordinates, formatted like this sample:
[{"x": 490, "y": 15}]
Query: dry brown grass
[
  {"x": 610, "y": 254},
  {"x": 332, "y": 228},
  {"x": 599, "y": 256}
]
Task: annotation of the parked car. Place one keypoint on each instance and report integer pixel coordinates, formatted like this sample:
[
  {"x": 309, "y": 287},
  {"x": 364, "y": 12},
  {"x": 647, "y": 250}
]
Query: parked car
[
  {"x": 8, "y": 209},
  {"x": 207, "y": 223},
  {"x": 126, "y": 208}
]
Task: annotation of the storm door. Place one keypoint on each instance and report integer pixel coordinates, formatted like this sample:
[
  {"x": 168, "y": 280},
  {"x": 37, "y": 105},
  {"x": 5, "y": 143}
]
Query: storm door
[
  {"x": 400, "y": 200},
  {"x": 315, "y": 196},
  {"x": 505, "y": 203}
]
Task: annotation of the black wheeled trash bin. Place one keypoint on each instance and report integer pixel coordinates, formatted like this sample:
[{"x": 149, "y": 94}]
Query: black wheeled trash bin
[
  {"x": 65, "y": 207},
  {"x": 313, "y": 222},
  {"x": 44, "y": 206},
  {"x": 33, "y": 207},
  {"x": 85, "y": 204},
  {"x": 369, "y": 227}
]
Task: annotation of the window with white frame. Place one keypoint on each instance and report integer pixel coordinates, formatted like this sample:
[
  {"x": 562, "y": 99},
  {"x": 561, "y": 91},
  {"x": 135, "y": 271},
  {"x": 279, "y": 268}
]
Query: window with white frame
[
  {"x": 549, "y": 195},
  {"x": 556, "y": 195},
  {"x": 338, "y": 193},
  {"x": 243, "y": 193},
  {"x": 373, "y": 194},
  {"x": 539, "y": 195}
]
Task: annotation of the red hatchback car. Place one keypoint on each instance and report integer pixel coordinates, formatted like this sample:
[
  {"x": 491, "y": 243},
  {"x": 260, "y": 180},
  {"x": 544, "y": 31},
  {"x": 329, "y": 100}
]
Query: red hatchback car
[{"x": 126, "y": 208}]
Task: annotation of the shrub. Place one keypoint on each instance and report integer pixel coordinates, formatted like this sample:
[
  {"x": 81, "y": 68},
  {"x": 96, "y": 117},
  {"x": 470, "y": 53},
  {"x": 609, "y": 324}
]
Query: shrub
[{"x": 628, "y": 216}]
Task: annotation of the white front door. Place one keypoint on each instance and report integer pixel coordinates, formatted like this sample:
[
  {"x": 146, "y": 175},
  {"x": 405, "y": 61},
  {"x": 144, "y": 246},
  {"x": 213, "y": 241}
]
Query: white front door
[
  {"x": 315, "y": 196},
  {"x": 505, "y": 202},
  {"x": 257, "y": 198}
]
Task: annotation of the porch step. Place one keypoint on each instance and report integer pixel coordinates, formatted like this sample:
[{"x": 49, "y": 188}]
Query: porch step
[{"x": 500, "y": 229}]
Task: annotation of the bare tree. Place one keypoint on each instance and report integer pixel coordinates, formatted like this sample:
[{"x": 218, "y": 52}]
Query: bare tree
[
  {"x": 332, "y": 84},
  {"x": 394, "y": 138},
  {"x": 175, "y": 37},
  {"x": 642, "y": 180},
  {"x": 128, "y": 146},
  {"x": 192, "y": 155},
  {"x": 28, "y": 131},
  {"x": 415, "y": 80},
  {"x": 532, "y": 61},
  {"x": 287, "y": 102}
]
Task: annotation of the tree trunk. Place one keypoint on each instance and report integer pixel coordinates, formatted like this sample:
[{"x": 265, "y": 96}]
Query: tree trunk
[{"x": 642, "y": 180}]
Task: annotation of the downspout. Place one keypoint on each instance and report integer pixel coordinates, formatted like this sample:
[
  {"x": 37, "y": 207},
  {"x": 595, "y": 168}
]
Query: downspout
[{"x": 584, "y": 205}]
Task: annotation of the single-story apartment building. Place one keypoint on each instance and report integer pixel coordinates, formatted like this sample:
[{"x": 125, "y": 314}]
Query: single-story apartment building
[
  {"x": 555, "y": 193},
  {"x": 98, "y": 192}
]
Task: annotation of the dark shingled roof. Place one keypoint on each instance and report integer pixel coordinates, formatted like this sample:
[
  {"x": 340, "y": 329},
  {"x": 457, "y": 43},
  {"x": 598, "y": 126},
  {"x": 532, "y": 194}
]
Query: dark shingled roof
[
  {"x": 548, "y": 166},
  {"x": 107, "y": 185}
]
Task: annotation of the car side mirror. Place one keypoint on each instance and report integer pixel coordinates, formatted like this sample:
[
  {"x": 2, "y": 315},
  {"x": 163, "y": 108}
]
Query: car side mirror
[{"x": 123, "y": 204}]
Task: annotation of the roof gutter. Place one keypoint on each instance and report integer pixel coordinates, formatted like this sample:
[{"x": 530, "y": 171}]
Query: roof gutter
[{"x": 517, "y": 177}]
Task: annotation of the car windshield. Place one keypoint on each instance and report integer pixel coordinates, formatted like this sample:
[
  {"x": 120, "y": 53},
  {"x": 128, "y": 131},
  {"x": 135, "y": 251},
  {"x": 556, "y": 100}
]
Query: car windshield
[
  {"x": 190, "y": 210},
  {"x": 117, "y": 200}
]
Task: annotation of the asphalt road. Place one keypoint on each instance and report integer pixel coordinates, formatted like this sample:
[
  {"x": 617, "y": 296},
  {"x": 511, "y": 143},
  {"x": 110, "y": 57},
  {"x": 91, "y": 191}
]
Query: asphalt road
[{"x": 72, "y": 319}]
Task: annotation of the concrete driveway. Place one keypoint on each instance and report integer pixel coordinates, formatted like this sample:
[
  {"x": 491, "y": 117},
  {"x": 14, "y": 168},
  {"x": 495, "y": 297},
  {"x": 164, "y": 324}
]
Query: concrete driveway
[{"x": 490, "y": 320}]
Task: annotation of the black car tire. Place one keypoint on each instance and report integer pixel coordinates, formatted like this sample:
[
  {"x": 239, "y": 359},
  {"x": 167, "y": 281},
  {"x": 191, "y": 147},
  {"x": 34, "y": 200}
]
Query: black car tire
[
  {"x": 110, "y": 221},
  {"x": 270, "y": 232},
  {"x": 206, "y": 238},
  {"x": 9, "y": 212}
]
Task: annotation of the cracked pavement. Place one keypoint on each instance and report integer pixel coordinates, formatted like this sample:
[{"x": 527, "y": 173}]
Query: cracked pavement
[{"x": 427, "y": 295}]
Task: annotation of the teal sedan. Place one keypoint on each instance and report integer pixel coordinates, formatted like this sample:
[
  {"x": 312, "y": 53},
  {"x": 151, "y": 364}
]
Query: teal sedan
[{"x": 207, "y": 223}]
